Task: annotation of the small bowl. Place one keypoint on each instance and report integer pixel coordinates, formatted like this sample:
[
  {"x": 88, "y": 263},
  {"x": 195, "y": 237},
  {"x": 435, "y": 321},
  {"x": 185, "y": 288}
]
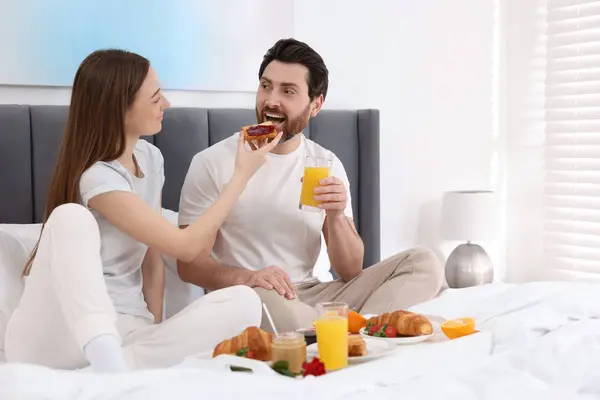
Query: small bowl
[{"x": 310, "y": 335}]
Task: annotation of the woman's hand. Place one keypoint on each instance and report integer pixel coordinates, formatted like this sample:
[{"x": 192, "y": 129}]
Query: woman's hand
[{"x": 247, "y": 162}]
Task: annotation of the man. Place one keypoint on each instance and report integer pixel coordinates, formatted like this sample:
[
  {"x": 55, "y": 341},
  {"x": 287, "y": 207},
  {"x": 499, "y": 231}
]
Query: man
[{"x": 267, "y": 242}]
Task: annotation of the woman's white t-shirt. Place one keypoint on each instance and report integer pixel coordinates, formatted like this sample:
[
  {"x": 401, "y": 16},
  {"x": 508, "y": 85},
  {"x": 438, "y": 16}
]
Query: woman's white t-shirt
[{"x": 121, "y": 254}]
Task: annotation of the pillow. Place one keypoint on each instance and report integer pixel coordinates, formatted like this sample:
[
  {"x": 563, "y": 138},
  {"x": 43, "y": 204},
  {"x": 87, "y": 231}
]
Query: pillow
[{"x": 16, "y": 243}]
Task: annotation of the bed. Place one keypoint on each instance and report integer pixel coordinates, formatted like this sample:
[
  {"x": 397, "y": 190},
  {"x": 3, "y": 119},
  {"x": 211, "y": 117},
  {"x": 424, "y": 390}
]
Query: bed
[
  {"x": 30, "y": 136},
  {"x": 535, "y": 341}
]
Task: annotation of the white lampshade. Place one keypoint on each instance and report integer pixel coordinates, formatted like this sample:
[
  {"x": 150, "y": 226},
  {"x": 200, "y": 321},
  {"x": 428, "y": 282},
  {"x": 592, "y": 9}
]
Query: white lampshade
[{"x": 469, "y": 215}]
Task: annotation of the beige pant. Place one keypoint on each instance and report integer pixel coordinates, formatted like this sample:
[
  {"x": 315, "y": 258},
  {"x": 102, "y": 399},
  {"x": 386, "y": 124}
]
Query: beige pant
[
  {"x": 399, "y": 282},
  {"x": 65, "y": 304}
]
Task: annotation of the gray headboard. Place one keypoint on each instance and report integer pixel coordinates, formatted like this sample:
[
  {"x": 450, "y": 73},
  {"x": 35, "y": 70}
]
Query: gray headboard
[{"x": 30, "y": 136}]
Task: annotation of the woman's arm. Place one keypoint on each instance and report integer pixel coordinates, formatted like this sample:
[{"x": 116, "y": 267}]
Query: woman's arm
[
  {"x": 153, "y": 288},
  {"x": 131, "y": 215}
]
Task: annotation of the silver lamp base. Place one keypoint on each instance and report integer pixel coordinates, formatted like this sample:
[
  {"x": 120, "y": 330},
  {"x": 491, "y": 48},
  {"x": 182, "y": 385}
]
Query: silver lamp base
[{"x": 468, "y": 265}]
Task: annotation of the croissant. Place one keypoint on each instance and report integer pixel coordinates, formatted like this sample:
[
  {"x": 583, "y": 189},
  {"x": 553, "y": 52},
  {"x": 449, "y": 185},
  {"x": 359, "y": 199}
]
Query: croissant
[
  {"x": 406, "y": 323},
  {"x": 255, "y": 341}
]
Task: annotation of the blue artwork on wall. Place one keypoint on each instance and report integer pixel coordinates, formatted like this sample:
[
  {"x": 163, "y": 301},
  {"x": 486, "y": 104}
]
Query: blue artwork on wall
[{"x": 192, "y": 44}]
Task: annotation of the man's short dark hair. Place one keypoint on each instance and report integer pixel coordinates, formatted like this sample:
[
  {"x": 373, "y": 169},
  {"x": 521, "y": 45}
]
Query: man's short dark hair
[{"x": 292, "y": 51}]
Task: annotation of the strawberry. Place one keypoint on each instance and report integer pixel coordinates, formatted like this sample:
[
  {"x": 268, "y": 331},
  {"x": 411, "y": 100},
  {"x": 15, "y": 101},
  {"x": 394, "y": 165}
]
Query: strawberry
[
  {"x": 390, "y": 332},
  {"x": 374, "y": 329},
  {"x": 315, "y": 367},
  {"x": 378, "y": 330}
]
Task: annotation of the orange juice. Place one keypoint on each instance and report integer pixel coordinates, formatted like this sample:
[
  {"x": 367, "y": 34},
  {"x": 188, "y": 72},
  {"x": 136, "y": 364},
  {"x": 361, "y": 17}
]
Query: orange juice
[
  {"x": 312, "y": 176},
  {"x": 332, "y": 341}
]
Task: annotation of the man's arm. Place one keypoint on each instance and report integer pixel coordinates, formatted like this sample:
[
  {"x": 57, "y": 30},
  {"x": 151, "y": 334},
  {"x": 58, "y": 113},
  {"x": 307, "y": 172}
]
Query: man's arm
[
  {"x": 344, "y": 246},
  {"x": 211, "y": 274}
]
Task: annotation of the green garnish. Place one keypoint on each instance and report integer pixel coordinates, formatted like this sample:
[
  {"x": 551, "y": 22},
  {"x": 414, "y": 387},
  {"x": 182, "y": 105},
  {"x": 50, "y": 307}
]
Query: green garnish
[
  {"x": 282, "y": 367},
  {"x": 243, "y": 352}
]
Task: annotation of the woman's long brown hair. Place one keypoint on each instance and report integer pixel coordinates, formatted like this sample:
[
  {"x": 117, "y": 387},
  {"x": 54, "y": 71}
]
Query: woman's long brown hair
[{"x": 104, "y": 89}]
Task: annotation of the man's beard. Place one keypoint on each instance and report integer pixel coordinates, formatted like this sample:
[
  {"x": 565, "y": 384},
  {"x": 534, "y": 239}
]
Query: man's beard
[{"x": 291, "y": 126}]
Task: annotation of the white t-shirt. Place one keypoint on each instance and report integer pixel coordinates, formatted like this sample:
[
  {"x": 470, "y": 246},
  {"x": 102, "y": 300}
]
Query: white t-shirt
[
  {"x": 265, "y": 227},
  {"x": 121, "y": 254}
]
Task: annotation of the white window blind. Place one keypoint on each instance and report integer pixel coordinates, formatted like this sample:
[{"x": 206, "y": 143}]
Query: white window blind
[{"x": 571, "y": 228}]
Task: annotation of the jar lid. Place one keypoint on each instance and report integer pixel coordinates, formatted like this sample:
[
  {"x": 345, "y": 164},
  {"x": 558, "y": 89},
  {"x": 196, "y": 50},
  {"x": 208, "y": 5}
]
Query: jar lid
[{"x": 288, "y": 337}]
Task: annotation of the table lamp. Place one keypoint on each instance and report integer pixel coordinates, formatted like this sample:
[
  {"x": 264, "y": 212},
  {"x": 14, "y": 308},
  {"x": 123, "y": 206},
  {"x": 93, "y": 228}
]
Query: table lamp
[{"x": 468, "y": 216}]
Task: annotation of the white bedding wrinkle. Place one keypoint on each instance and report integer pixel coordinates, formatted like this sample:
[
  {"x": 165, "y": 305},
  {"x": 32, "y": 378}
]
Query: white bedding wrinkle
[
  {"x": 175, "y": 383},
  {"x": 537, "y": 341},
  {"x": 566, "y": 357},
  {"x": 481, "y": 382},
  {"x": 592, "y": 386}
]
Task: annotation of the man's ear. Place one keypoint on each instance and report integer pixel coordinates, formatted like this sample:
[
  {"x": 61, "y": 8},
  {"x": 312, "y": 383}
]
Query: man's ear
[{"x": 316, "y": 105}]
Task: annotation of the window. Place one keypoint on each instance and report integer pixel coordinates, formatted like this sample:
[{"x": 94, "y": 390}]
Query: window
[{"x": 571, "y": 114}]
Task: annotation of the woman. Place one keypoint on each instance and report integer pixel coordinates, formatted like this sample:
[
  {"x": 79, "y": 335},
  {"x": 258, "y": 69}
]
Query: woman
[{"x": 95, "y": 283}]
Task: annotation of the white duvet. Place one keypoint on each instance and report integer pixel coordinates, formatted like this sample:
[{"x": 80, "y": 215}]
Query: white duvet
[{"x": 537, "y": 341}]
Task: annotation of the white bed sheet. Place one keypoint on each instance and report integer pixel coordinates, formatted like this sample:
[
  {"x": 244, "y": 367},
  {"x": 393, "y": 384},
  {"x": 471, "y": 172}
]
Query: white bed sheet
[{"x": 537, "y": 341}]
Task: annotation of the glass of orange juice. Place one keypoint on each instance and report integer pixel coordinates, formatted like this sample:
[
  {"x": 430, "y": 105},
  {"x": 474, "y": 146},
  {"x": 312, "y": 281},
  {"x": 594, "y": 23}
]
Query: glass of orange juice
[
  {"x": 315, "y": 169},
  {"x": 332, "y": 334}
]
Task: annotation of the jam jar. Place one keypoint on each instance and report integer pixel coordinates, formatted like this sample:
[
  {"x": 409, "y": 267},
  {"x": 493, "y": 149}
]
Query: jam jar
[{"x": 290, "y": 347}]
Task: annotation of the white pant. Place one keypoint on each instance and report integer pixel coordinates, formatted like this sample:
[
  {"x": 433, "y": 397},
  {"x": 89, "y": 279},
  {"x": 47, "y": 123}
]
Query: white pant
[{"x": 65, "y": 304}]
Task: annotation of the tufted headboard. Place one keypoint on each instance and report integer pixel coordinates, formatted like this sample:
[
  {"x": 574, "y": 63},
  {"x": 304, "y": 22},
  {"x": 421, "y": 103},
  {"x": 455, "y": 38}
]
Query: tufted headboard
[{"x": 30, "y": 136}]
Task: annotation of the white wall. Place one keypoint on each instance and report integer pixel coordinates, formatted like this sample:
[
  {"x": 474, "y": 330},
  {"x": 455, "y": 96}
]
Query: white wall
[
  {"x": 178, "y": 98},
  {"x": 427, "y": 65},
  {"x": 525, "y": 75}
]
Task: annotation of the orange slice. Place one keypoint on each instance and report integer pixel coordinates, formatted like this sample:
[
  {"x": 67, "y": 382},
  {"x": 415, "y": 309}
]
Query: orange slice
[
  {"x": 355, "y": 321},
  {"x": 459, "y": 327}
]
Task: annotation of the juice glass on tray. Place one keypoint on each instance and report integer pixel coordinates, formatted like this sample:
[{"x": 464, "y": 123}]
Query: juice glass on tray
[{"x": 332, "y": 334}]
